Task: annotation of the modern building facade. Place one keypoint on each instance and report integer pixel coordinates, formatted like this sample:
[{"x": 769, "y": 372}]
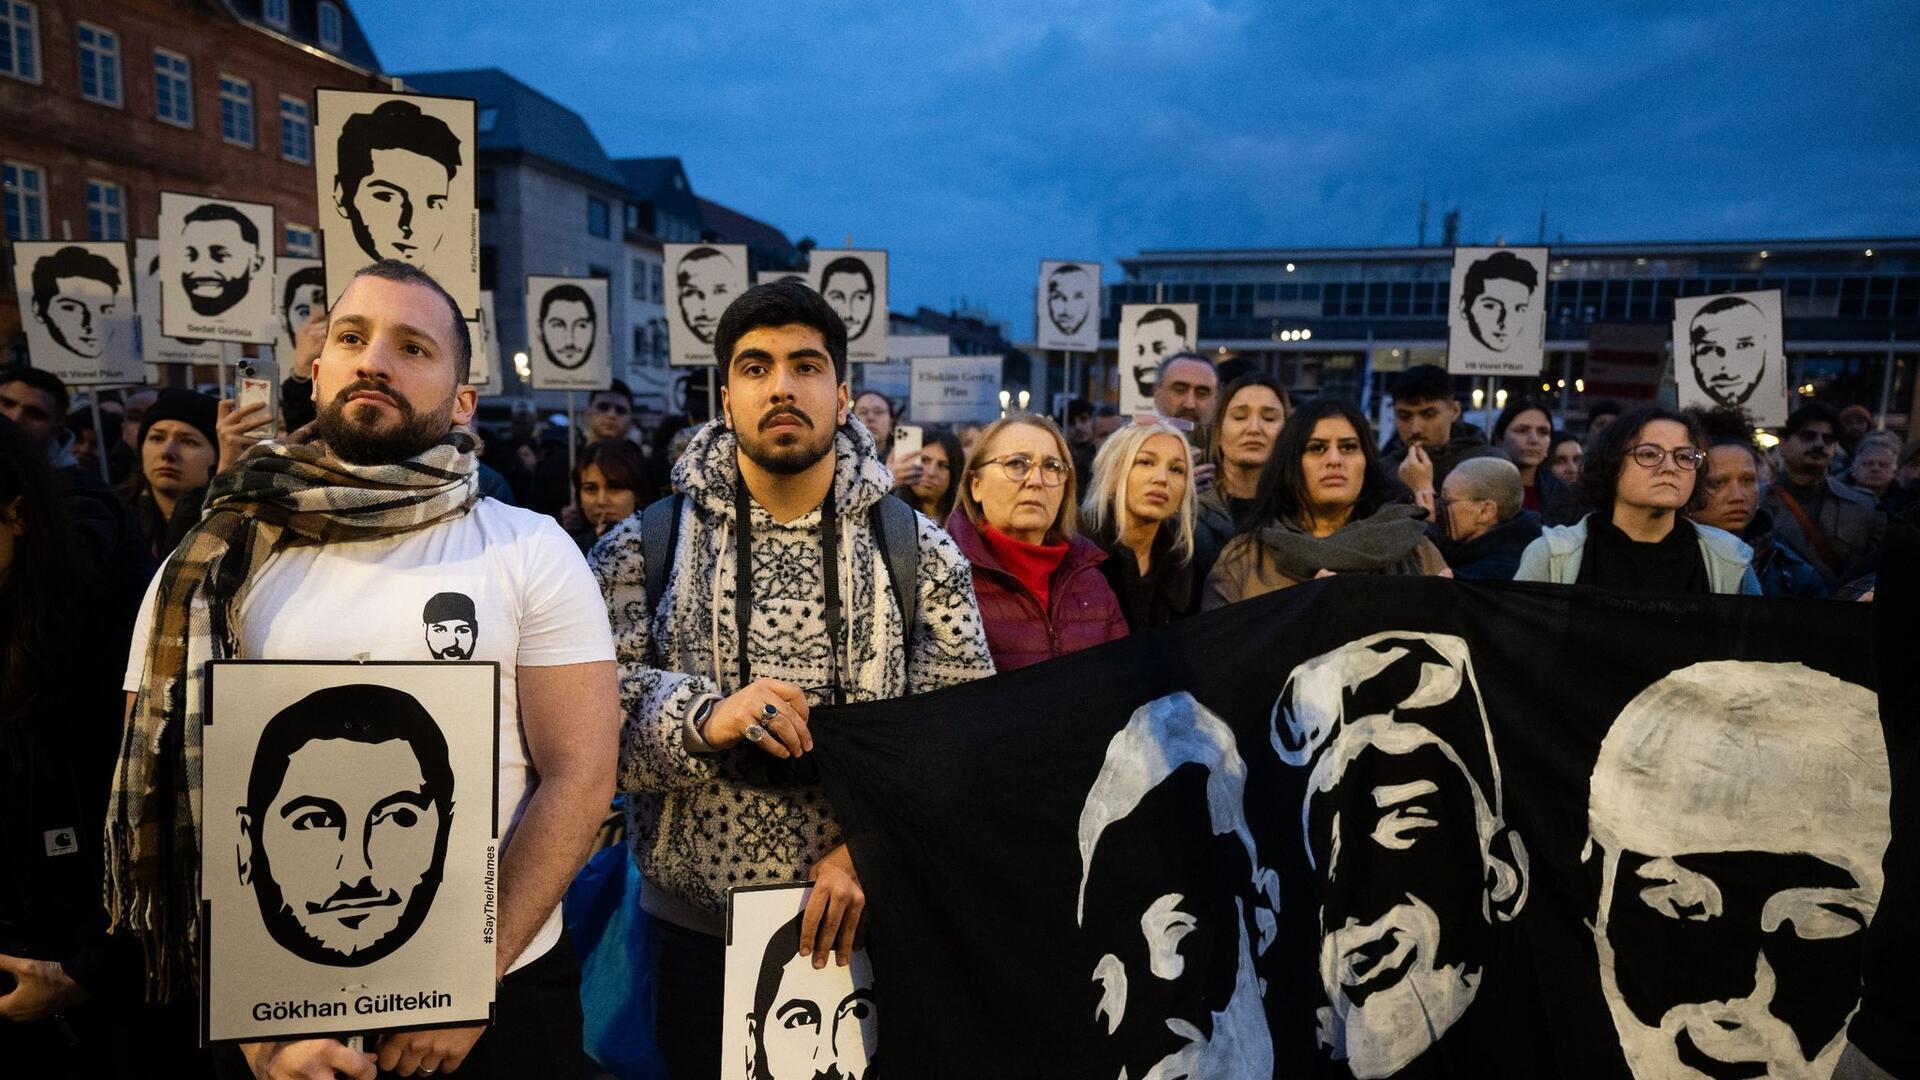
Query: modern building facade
[
  {"x": 1340, "y": 320},
  {"x": 106, "y": 103}
]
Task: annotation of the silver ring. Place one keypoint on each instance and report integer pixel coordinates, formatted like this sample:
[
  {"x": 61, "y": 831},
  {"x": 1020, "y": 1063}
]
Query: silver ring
[
  {"x": 755, "y": 733},
  {"x": 769, "y": 710}
]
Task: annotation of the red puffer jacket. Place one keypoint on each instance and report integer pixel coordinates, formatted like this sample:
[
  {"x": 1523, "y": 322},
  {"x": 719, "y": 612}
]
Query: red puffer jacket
[{"x": 1084, "y": 612}]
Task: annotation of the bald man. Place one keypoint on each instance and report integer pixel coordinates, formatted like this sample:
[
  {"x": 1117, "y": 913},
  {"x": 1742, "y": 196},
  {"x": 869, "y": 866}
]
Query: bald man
[{"x": 1484, "y": 527}]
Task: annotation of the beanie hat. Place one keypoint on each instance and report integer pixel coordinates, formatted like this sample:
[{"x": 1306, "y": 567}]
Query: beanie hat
[{"x": 186, "y": 406}]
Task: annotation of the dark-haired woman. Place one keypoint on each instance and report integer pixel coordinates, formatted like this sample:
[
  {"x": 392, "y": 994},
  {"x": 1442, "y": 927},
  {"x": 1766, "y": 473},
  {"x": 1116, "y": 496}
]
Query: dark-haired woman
[
  {"x": 1641, "y": 475},
  {"x": 1252, "y": 411},
  {"x": 940, "y": 463},
  {"x": 1524, "y": 433},
  {"x": 607, "y": 479},
  {"x": 1325, "y": 506}
]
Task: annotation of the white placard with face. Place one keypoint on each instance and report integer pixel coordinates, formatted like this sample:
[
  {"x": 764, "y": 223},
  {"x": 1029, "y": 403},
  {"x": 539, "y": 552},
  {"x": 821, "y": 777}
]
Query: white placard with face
[
  {"x": 216, "y": 269},
  {"x": 76, "y": 305},
  {"x": 1728, "y": 352},
  {"x": 299, "y": 290},
  {"x": 349, "y": 862},
  {"x": 782, "y": 1016},
  {"x": 1496, "y": 313},
  {"x": 1149, "y": 333},
  {"x": 854, "y": 284},
  {"x": 156, "y": 347},
  {"x": 702, "y": 279},
  {"x": 954, "y": 389},
  {"x": 486, "y": 344},
  {"x": 395, "y": 178},
  {"x": 568, "y": 345},
  {"x": 1067, "y": 309}
]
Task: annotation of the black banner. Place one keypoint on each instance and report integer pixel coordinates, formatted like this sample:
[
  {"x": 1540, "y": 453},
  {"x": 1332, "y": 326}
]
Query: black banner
[{"x": 1382, "y": 827}]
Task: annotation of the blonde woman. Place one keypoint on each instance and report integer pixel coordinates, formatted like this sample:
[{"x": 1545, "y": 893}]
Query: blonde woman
[
  {"x": 1037, "y": 580},
  {"x": 1140, "y": 510}
]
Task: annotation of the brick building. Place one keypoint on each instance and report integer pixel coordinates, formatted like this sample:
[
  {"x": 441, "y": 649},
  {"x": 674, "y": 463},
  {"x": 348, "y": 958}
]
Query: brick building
[{"x": 106, "y": 103}]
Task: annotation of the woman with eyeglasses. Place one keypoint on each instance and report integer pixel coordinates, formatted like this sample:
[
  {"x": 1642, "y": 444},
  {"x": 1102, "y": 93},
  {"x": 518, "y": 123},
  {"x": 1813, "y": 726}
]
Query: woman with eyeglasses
[
  {"x": 1325, "y": 506},
  {"x": 1140, "y": 510},
  {"x": 1641, "y": 475},
  {"x": 934, "y": 493},
  {"x": 1038, "y": 581}
]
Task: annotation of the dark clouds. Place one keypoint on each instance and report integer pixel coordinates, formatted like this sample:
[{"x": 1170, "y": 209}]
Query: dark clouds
[{"x": 973, "y": 141}]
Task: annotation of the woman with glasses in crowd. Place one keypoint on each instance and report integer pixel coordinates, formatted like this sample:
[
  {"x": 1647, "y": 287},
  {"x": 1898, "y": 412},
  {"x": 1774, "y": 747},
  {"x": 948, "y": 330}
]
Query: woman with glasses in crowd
[
  {"x": 1641, "y": 476},
  {"x": 1325, "y": 506},
  {"x": 1252, "y": 411},
  {"x": 1037, "y": 580},
  {"x": 934, "y": 493},
  {"x": 1140, "y": 510}
]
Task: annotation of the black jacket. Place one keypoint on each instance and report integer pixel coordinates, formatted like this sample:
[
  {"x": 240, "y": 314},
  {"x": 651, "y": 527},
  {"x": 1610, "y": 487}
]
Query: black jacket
[
  {"x": 1493, "y": 555},
  {"x": 1163, "y": 595}
]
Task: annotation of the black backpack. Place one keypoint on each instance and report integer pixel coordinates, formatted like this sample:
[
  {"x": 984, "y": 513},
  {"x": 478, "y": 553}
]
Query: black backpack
[{"x": 895, "y": 532}]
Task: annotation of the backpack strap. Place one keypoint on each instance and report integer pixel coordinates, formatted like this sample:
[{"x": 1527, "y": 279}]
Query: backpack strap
[
  {"x": 897, "y": 535},
  {"x": 659, "y": 540}
]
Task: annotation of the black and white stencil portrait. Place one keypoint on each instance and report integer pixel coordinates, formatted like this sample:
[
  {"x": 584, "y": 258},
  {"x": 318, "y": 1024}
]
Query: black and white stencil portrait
[
  {"x": 76, "y": 306},
  {"x": 1149, "y": 333},
  {"x": 1496, "y": 314},
  {"x": 485, "y": 332},
  {"x": 348, "y": 863},
  {"x": 1067, "y": 314},
  {"x": 784, "y": 1018},
  {"x": 300, "y": 290},
  {"x": 854, "y": 284},
  {"x": 1395, "y": 828},
  {"x": 702, "y": 279},
  {"x": 156, "y": 347},
  {"x": 395, "y": 174},
  {"x": 216, "y": 269},
  {"x": 570, "y": 346},
  {"x": 1728, "y": 352}
]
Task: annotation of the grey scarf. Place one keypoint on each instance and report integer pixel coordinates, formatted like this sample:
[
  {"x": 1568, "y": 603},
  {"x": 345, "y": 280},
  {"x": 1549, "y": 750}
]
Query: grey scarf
[{"x": 1383, "y": 543}]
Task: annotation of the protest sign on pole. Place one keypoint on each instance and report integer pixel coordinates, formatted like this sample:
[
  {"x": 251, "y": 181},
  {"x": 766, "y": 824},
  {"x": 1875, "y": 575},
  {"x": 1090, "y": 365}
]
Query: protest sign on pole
[
  {"x": 156, "y": 347},
  {"x": 486, "y": 345},
  {"x": 1729, "y": 352},
  {"x": 216, "y": 269},
  {"x": 954, "y": 389},
  {"x": 349, "y": 864},
  {"x": 299, "y": 290},
  {"x": 1149, "y": 333},
  {"x": 1496, "y": 311},
  {"x": 783, "y": 1016},
  {"x": 569, "y": 346},
  {"x": 702, "y": 279},
  {"x": 1067, "y": 307},
  {"x": 76, "y": 306},
  {"x": 854, "y": 284},
  {"x": 395, "y": 180}
]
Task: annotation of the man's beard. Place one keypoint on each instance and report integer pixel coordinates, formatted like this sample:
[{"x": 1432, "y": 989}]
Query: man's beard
[
  {"x": 358, "y": 443},
  {"x": 231, "y": 292},
  {"x": 790, "y": 459}
]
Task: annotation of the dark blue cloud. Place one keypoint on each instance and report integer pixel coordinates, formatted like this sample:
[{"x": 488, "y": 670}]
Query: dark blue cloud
[{"x": 973, "y": 141}]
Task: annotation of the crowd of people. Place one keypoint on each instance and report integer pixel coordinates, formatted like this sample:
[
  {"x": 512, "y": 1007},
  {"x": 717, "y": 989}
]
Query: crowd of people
[{"x": 669, "y": 609}]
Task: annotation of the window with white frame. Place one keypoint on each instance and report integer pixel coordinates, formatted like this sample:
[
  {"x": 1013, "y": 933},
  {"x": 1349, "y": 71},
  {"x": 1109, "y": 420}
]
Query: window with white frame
[
  {"x": 99, "y": 64},
  {"x": 20, "y": 40},
  {"x": 236, "y": 110},
  {"x": 300, "y": 241},
  {"x": 172, "y": 87},
  {"x": 106, "y": 211},
  {"x": 276, "y": 13},
  {"x": 330, "y": 31},
  {"x": 296, "y": 131},
  {"x": 25, "y": 190}
]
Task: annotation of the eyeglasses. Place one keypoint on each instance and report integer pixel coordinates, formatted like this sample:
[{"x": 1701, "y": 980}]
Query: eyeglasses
[
  {"x": 618, "y": 408},
  {"x": 1649, "y": 456},
  {"x": 1053, "y": 471}
]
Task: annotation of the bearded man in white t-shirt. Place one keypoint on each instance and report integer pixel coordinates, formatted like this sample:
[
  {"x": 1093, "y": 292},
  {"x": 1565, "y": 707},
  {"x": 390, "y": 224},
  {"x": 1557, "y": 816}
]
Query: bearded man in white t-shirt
[{"x": 329, "y": 547}]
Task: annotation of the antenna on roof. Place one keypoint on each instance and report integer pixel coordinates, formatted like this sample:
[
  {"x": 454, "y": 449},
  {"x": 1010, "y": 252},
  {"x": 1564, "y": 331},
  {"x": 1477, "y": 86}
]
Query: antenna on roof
[{"x": 1423, "y": 217}]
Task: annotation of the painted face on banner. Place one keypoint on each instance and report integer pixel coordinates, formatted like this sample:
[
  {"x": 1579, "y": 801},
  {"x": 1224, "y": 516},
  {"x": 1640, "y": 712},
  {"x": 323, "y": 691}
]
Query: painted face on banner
[
  {"x": 816, "y": 1029},
  {"x": 345, "y": 856},
  {"x": 1729, "y": 349},
  {"x": 399, "y": 210},
  {"x": 704, "y": 289},
  {"x": 1069, "y": 299},
  {"x": 567, "y": 330},
  {"x": 851, "y": 297},
  {"x": 1729, "y": 934},
  {"x": 220, "y": 264},
  {"x": 78, "y": 314}
]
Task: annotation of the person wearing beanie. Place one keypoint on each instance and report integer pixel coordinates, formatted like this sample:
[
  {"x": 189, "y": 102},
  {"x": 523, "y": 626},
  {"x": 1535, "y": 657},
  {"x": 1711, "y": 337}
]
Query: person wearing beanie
[{"x": 179, "y": 448}]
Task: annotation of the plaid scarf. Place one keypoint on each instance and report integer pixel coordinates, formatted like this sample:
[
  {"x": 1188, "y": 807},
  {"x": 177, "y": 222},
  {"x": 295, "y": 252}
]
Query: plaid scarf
[{"x": 280, "y": 495}]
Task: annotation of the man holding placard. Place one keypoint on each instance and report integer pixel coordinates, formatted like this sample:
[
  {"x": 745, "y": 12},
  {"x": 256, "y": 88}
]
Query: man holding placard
[{"x": 326, "y": 549}]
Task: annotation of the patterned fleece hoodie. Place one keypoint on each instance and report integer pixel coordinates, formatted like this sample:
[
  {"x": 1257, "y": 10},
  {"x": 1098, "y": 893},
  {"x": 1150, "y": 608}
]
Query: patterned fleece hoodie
[{"x": 702, "y": 822}]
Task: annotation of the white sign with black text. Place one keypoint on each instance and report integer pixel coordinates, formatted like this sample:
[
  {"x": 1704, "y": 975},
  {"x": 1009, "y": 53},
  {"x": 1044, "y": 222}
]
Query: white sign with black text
[
  {"x": 954, "y": 389},
  {"x": 157, "y": 347}
]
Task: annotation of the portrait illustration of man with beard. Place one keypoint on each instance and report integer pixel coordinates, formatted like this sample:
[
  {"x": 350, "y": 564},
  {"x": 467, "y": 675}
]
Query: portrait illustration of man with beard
[{"x": 216, "y": 269}]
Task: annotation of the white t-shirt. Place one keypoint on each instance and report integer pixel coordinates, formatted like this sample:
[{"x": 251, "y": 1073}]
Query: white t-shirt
[{"x": 535, "y": 604}]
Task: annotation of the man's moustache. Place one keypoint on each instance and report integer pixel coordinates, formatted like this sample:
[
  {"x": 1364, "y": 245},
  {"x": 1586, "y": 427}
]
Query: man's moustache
[
  {"x": 369, "y": 385},
  {"x": 357, "y": 895},
  {"x": 784, "y": 410}
]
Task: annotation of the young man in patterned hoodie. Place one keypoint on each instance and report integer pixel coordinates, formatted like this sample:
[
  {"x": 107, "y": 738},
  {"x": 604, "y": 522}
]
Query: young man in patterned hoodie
[{"x": 714, "y": 749}]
